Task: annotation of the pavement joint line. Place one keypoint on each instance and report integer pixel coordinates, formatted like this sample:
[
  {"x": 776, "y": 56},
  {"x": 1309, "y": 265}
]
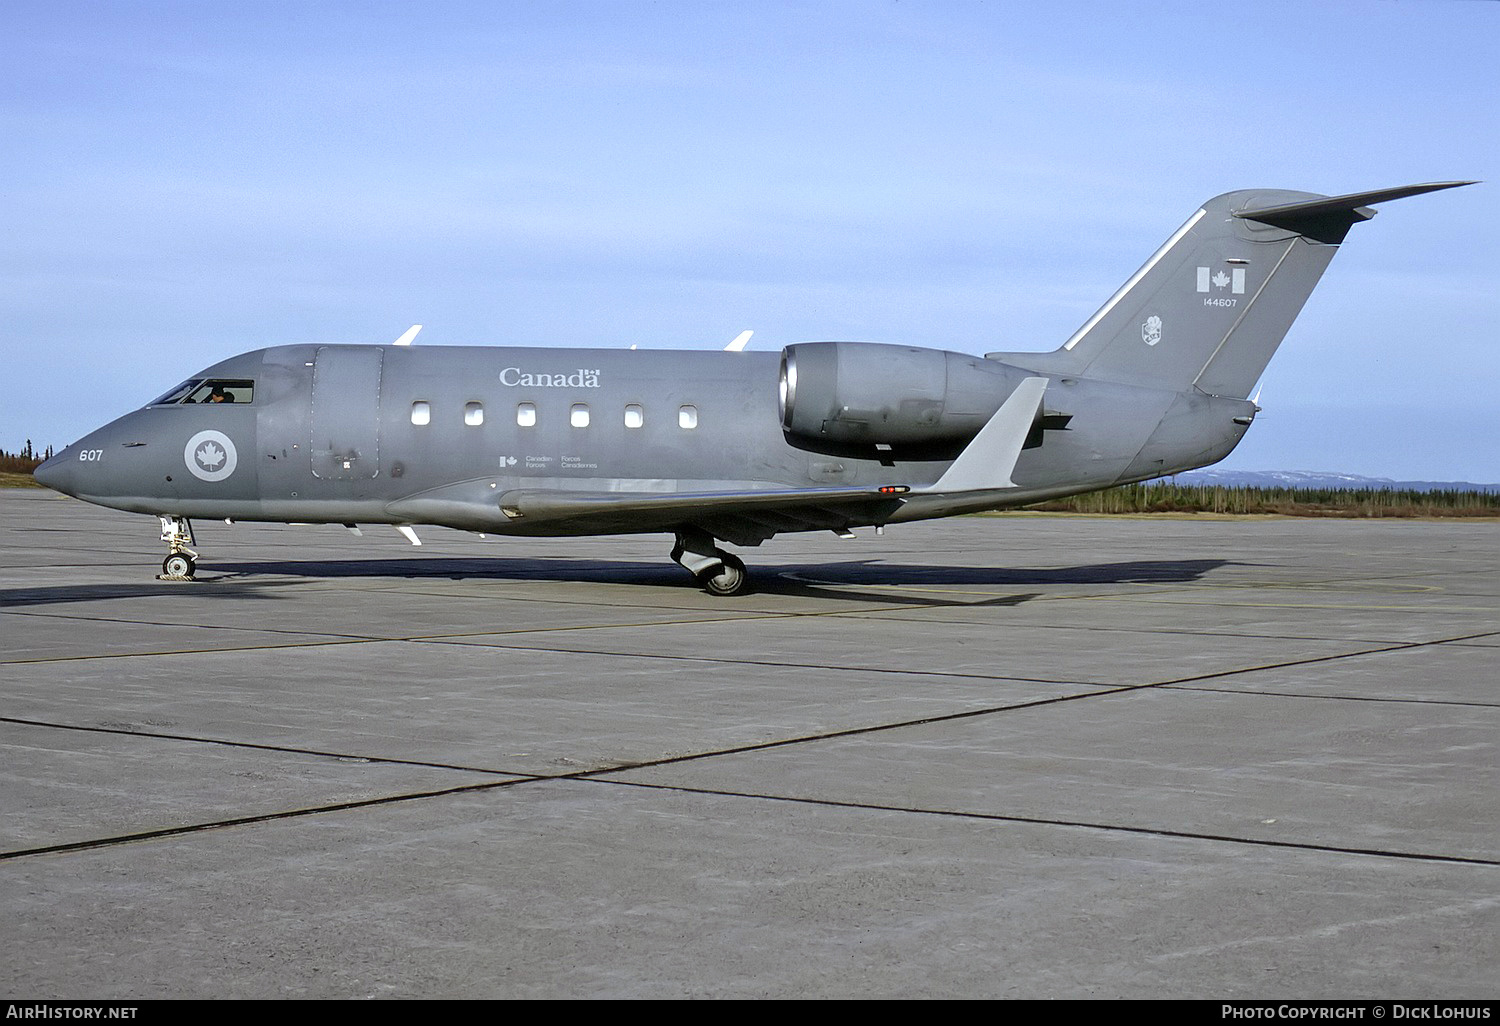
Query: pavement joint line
[
  {"x": 1179, "y": 631},
  {"x": 265, "y": 817},
  {"x": 190, "y": 651},
  {"x": 1276, "y": 605},
  {"x": 260, "y": 746},
  {"x": 1336, "y": 698},
  {"x": 366, "y": 637},
  {"x": 1076, "y": 824},
  {"x": 322, "y": 639},
  {"x": 597, "y": 776},
  {"x": 335, "y": 639},
  {"x": 773, "y": 664},
  {"x": 194, "y": 626},
  {"x": 1379, "y": 647}
]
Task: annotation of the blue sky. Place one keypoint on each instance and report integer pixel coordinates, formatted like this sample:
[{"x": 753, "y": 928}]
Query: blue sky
[{"x": 185, "y": 181}]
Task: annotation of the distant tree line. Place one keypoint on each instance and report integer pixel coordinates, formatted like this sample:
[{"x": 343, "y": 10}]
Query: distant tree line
[
  {"x": 1168, "y": 497},
  {"x": 25, "y": 461}
]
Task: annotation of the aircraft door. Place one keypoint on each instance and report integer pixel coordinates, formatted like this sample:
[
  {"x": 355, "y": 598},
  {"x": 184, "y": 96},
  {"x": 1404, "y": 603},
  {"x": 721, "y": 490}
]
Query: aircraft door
[{"x": 345, "y": 417}]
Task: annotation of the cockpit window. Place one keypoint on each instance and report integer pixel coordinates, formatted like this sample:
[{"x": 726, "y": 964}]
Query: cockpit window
[
  {"x": 211, "y": 390},
  {"x": 176, "y": 395},
  {"x": 222, "y": 390}
]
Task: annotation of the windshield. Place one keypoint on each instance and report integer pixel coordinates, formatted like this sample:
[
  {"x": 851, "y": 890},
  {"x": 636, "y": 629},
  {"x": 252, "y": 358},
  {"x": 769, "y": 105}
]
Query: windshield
[{"x": 175, "y": 396}]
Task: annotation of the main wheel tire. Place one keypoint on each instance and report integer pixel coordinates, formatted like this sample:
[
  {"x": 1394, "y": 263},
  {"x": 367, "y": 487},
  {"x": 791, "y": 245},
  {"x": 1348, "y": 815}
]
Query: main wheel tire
[
  {"x": 178, "y": 565},
  {"x": 728, "y": 578}
]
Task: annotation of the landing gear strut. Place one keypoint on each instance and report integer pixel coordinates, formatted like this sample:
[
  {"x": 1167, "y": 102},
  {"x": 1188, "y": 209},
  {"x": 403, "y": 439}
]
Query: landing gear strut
[
  {"x": 719, "y": 572},
  {"x": 181, "y": 560}
]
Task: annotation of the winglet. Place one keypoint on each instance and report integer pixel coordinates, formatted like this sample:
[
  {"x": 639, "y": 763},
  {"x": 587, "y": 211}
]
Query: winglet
[
  {"x": 738, "y": 345},
  {"x": 988, "y": 461},
  {"x": 406, "y": 339}
]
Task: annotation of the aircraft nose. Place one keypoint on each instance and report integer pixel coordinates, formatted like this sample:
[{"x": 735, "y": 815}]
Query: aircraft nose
[{"x": 56, "y": 473}]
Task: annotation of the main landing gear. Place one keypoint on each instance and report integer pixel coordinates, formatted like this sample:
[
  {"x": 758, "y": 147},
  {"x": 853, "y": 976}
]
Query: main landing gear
[
  {"x": 719, "y": 572},
  {"x": 181, "y": 560}
]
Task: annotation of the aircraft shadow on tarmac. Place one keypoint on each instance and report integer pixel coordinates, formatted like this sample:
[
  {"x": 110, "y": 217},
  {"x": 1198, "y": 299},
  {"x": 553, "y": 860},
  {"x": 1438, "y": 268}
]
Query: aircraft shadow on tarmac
[
  {"x": 13, "y": 598},
  {"x": 855, "y": 580},
  {"x": 849, "y": 572}
]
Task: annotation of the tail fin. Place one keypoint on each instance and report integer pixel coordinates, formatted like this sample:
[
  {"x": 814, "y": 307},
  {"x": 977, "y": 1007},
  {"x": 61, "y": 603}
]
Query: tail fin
[{"x": 1211, "y": 306}]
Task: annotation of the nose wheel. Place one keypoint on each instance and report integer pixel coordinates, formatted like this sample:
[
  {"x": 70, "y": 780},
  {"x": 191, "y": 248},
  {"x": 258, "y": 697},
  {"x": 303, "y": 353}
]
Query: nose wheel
[
  {"x": 181, "y": 560},
  {"x": 718, "y": 572}
]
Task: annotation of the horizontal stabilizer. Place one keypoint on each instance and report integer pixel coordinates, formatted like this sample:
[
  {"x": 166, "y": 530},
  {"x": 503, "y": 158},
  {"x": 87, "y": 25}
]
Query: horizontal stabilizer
[{"x": 1328, "y": 218}]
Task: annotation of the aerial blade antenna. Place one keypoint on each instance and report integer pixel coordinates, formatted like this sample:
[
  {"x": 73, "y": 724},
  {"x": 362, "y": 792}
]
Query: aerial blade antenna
[
  {"x": 738, "y": 345},
  {"x": 411, "y": 333}
]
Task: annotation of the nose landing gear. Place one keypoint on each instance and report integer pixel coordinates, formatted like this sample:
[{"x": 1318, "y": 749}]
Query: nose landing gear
[
  {"x": 719, "y": 572},
  {"x": 181, "y": 560}
]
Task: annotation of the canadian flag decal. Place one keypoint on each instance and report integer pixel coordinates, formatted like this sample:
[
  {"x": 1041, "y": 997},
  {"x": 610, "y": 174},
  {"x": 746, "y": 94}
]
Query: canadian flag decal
[{"x": 1210, "y": 280}]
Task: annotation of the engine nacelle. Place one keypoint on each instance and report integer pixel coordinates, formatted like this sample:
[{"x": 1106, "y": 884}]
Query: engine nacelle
[{"x": 870, "y": 398}]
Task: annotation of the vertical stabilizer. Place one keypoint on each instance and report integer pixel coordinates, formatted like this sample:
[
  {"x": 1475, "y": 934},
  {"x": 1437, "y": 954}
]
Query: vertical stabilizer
[{"x": 1211, "y": 306}]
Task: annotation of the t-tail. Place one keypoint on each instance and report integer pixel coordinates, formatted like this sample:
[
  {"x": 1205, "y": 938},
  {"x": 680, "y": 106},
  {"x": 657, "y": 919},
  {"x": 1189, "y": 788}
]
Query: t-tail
[{"x": 1210, "y": 307}]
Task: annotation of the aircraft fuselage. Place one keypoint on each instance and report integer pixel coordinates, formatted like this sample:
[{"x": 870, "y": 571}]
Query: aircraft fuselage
[{"x": 345, "y": 434}]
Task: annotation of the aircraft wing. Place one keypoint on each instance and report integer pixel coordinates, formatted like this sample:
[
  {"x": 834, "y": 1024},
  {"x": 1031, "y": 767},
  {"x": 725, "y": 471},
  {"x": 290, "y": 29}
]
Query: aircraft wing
[
  {"x": 739, "y": 517},
  {"x": 745, "y": 517}
]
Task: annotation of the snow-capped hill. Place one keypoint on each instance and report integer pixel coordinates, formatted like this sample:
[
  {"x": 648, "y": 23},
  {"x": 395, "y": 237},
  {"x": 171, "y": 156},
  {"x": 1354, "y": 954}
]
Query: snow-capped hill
[{"x": 1319, "y": 479}]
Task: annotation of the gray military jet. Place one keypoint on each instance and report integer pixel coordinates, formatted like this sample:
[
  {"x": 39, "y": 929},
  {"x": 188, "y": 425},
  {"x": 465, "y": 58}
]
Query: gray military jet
[{"x": 730, "y": 446}]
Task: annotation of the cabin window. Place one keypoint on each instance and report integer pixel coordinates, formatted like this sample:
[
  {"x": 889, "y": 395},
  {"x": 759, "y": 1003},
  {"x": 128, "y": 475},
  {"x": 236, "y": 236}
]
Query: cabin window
[
  {"x": 579, "y": 417},
  {"x": 687, "y": 417},
  {"x": 526, "y": 414},
  {"x": 473, "y": 414},
  {"x": 421, "y": 412},
  {"x": 635, "y": 415}
]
